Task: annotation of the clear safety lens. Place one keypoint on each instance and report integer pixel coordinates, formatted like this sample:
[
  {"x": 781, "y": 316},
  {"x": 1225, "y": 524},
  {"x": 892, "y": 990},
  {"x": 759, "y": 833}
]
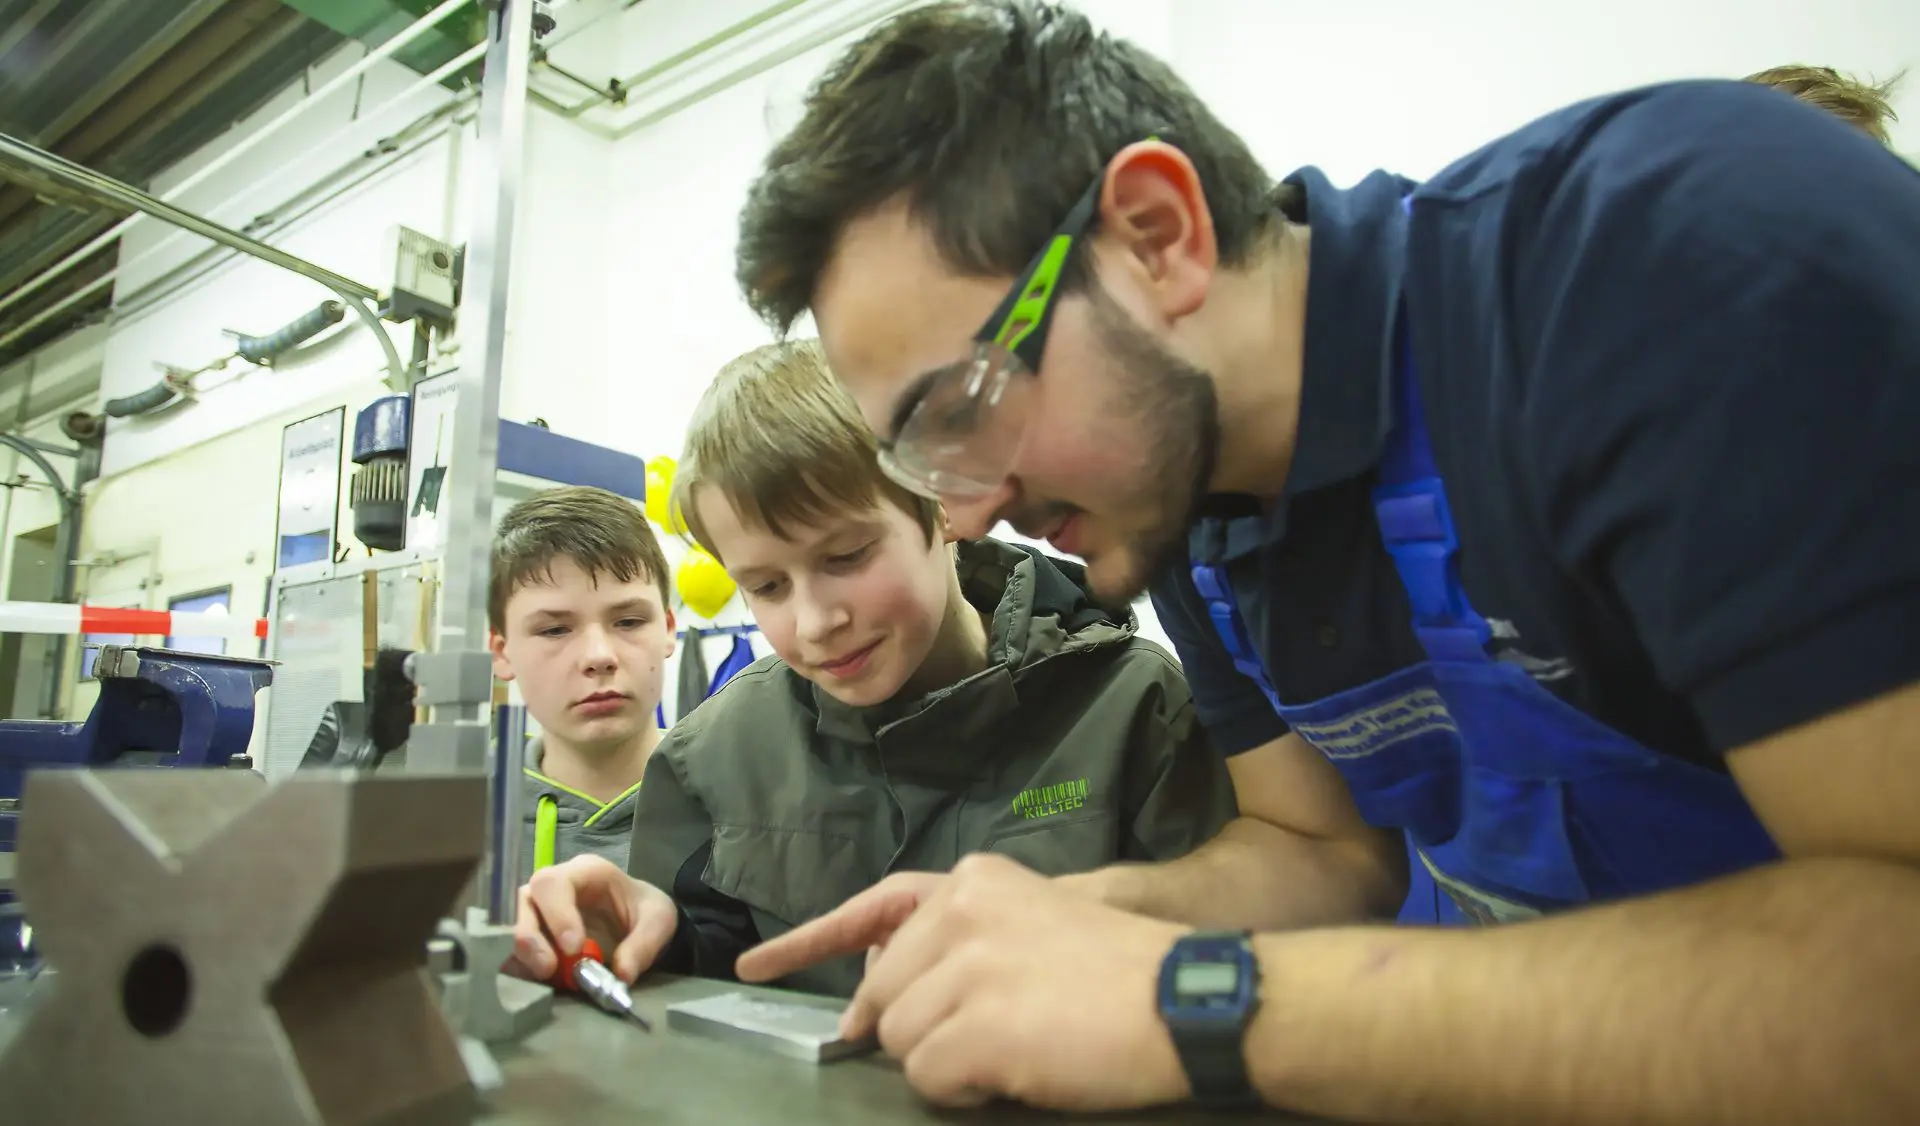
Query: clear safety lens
[{"x": 962, "y": 439}]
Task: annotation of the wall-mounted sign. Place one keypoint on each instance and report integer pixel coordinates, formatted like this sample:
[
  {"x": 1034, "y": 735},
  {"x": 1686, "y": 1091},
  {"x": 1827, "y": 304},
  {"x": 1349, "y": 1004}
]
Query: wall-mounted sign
[
  {"x": 429, "y": 450},
  {"x": 309, "y": 489}
]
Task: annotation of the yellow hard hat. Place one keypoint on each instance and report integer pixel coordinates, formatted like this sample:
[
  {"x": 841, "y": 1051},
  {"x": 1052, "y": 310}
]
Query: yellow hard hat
[
  {"x": 704, "y": 584},
  {"x": 659, "y": 504}
]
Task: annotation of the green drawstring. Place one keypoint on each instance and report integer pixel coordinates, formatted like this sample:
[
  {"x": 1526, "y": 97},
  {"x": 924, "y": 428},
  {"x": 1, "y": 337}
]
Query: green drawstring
[{"x": 546, "y": 826}]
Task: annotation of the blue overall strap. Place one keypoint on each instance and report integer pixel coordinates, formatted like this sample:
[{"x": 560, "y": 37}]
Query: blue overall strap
[
  {"x": 1410, "y": 503},
  {"x": 1210, "y": 579}
]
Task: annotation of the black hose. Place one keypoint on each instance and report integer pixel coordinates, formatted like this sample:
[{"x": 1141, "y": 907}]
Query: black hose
[
  {"x": 263, "y": 350},
  {"x": 140, "y": 402}
]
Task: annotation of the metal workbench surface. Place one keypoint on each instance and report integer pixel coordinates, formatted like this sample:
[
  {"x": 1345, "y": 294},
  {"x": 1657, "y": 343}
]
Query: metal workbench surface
[{"x": 586, "y": 1066}]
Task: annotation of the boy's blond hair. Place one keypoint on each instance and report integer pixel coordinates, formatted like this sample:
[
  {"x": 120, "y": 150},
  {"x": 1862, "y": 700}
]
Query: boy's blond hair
[
  {"x": 1867, "y": 105},
  {"x": 785, "y": 445}
]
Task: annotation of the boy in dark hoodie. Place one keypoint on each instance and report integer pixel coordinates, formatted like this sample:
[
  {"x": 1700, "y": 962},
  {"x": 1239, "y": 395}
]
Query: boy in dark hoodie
[
  {"x": 579, "y": 618},
  {"x": 927, "y": 699}
]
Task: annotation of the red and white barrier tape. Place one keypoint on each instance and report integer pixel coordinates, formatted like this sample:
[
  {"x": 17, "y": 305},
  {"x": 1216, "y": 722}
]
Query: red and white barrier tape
[{"x": 65, "y": 617}]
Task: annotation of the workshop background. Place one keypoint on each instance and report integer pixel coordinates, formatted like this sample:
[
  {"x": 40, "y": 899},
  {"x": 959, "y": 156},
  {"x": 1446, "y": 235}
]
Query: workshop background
[{"x": 648, "y": 119}]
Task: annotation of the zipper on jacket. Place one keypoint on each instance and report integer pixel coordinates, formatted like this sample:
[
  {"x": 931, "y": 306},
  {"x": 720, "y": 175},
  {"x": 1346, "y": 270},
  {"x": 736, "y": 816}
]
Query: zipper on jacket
[{"x": 546, "y": 831}]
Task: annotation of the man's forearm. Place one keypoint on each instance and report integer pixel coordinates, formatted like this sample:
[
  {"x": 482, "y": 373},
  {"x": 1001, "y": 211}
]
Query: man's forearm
[
  {"x": 1258, "y": 876},
  {"x": 1790, "y": 994}
]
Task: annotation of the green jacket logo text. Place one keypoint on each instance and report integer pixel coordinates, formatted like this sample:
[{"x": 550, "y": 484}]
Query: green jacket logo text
[{"x": 1045, "y": 801}]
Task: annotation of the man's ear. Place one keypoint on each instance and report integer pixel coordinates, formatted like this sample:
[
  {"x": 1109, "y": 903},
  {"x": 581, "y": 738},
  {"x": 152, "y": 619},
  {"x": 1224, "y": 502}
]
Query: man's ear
[
  {"x": 673, "y": 631},
  {"x": 944, "y": 525},
  {"x": 497, "y": 645},
  {"x": 1153, "y": 212}
]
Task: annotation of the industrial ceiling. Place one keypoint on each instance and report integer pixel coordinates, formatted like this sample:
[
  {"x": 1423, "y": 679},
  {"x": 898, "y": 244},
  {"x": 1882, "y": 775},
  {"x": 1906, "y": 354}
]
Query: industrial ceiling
[{"x": 130, "y": 87}]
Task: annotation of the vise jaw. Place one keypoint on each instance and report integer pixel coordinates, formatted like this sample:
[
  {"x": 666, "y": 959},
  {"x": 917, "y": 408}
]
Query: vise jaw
[{"x": 157, "y": 707}]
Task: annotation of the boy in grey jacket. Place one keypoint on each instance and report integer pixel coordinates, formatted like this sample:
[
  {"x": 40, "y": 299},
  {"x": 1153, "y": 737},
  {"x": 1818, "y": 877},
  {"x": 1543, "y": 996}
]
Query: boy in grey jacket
[
  {"x": 929, "y": 698},
  {"x": 579, "y": 618}
]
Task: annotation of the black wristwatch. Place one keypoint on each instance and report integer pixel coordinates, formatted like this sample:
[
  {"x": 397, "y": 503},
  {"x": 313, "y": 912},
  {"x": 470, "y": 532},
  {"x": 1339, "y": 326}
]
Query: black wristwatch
[{"x": 1209, "y": 989}]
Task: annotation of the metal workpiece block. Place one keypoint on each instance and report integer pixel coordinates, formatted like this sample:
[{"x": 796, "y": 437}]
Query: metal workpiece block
[
  {"x": 228, "y": 952},
  {"x": 476, "y": 997},
  {"x": 460, "y": 677},
  {"x": 448, "y": 748}
]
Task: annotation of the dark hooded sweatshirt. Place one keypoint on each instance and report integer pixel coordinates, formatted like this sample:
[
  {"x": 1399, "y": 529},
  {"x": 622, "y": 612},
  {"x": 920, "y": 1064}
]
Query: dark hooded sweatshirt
[{"x": 1075, "y": 747}]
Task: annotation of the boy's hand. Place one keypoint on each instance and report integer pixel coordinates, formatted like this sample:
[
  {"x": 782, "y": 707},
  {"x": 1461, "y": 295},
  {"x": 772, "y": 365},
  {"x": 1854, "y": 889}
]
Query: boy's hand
[{"x": 590, "y": 896}]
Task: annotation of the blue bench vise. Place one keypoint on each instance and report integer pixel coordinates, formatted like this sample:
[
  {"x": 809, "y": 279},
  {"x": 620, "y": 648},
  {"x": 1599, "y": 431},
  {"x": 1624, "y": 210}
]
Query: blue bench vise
[{"x": 157, "y": 707}]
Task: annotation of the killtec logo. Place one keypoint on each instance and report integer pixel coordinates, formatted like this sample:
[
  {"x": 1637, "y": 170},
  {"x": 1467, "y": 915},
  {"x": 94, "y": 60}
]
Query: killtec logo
[{"x": 1045, "y": 801}]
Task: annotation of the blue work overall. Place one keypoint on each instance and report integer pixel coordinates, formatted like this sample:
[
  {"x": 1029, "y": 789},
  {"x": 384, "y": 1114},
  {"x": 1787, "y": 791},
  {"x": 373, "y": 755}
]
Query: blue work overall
[{"x": 1513, "y": 803}]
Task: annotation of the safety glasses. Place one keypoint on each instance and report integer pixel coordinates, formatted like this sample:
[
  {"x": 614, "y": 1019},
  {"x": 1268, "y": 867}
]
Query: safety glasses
[{"x": 957, "y": 432}]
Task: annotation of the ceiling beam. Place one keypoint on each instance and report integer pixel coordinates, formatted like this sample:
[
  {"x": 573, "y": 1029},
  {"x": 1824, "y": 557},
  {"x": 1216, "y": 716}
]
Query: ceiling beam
[
  {"x": 170, "y": 87},
  {"x": 188, "y": 20}
]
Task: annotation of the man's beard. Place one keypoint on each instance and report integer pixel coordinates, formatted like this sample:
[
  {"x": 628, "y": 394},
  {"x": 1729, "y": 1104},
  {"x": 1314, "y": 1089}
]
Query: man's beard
[{"x": 1178, "y": 419}]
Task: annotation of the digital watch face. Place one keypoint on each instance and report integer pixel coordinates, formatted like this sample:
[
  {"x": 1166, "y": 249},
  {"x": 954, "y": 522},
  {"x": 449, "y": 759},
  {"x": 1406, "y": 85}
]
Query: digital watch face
[
  {"x": 1195, "y": 982},
  {"x": 1209, "y": 978}
]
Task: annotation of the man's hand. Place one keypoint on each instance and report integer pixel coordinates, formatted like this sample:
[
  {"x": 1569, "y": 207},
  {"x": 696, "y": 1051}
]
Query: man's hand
[
  {"x": 864, "y": 922},
  {"x": 1003, "y": 984},
  {"x": 590, "y": 896}
]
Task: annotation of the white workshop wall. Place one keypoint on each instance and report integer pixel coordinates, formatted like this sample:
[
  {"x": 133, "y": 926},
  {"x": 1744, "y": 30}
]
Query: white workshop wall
[
  {"x": 559, "y": 303},
  {"x": 187, "y": 497},
  {"x": 1411, "y": 86},
  {"x": 197, "y": 519},
  {"x": 343, "y": 203}
]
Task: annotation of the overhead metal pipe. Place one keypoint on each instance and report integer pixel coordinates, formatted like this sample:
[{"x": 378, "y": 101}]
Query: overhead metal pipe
[
  {"x": 452, "y": 67},
  {"x": 18, "y": 155},
  {"x": 760, "y": 65},
  {"x": 413, "y": 31},
  {"x": 53, "y": 448},
  {"x": 21, "y": 156},
  {"x": 679, "y": 58}
]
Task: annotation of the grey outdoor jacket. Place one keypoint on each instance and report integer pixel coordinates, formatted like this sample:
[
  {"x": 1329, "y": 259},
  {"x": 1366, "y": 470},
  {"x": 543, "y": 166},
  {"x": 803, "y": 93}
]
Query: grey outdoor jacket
[{"x": 1077, "y": 746}]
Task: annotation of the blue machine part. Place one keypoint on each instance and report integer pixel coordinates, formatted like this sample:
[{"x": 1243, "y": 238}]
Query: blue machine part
[
  {"x": 538, "y": 452},
  {"x": 156, "y": 708},
  {"x": 378, "y": 493},
  {"x": 381, "y": 429}
]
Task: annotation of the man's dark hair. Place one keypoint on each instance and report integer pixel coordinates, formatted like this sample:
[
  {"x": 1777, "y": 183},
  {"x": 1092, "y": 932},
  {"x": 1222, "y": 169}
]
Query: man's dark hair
[
  {"x": 990, "y": 117},
  {"x": 602, "y": 532}
]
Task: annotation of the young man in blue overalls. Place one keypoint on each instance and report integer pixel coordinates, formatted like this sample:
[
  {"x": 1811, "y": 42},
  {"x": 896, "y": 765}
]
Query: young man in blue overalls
[{"x": 1542, "y": 542}]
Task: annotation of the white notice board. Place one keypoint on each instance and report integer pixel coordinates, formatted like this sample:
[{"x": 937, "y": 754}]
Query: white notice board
[
  {"x": 309, "y": 489},
  {"x": 429, "y": 450}
]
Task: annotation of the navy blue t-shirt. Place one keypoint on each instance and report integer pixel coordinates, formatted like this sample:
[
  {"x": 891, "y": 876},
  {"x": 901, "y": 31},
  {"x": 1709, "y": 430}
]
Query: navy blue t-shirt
[{"x": 1669, "y": 345}]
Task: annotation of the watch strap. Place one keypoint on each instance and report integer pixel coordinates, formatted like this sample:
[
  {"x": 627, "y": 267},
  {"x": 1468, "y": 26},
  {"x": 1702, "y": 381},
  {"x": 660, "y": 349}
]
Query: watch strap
[
  {"x": 1213, "y": 1052},
  {"x": 1216, "y": 1065}
]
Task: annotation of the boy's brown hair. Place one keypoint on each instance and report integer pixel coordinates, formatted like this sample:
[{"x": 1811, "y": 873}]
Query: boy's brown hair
[
  {"x": 785, "y": 444},
  {"x": 602, "y": 532},
  {"x": 1867, "y": 105}
]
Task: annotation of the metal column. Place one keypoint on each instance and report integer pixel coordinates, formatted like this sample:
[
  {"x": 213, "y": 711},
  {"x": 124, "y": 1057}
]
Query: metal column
[{"x": 456, "y": 679}]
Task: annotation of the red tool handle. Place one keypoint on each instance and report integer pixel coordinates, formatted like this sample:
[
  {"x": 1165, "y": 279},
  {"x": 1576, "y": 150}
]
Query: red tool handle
[{"x": 569, "y": 964}]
